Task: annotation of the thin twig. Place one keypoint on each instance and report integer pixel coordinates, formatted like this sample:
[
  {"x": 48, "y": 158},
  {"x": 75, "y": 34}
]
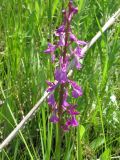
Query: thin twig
[{"x": 46, "y": 94}]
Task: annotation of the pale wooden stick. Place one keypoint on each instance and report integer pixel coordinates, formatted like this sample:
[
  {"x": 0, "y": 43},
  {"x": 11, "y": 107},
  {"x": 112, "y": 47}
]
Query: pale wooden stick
[{"x": 46, "y": 94}]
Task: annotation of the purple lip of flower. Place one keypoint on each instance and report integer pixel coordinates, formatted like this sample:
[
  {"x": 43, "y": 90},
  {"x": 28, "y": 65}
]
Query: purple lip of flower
[
  {"x": 77, "y": 52},
  {"x": 68, "y": 122},
  {"x": 62, "y": 40},
  {"x": 65, "y": 128},
  {"x": 61, "y": 76},
  {"x": 52, "y": 86},
  {"x": 74, "y": 10},
  {"x": 74, "y": 122},
  {"x": 51, "y": 100},
  {"x": 72, "y": 111},
  {"x": 77, "y": 63},
  {"x": 67, "y": 125},
  {"x": 51, "y": 48},
  {"x": 54, "y": 118},
  {"x": 77, "y": 90},
  {"x": 73, "y": 38},
  {"x": 52, "y": 57},
  {"x": 64, "y": 65},
  {"x": 65, "y": 103},
  {"x": 79, "y": 42},
  {"x": 60, "y": 30}
]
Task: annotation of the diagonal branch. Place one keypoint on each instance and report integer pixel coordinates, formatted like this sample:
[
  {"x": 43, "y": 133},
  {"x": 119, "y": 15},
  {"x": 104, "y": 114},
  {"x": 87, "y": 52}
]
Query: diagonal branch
[{"x": 46, "y": 94}]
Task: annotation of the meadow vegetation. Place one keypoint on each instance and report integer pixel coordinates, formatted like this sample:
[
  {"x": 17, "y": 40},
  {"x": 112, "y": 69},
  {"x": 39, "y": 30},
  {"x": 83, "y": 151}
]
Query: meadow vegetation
[{"x": 26, "y": 26}]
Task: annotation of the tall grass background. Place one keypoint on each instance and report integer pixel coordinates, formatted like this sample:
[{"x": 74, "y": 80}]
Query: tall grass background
[{"x": 25, "y": 29}]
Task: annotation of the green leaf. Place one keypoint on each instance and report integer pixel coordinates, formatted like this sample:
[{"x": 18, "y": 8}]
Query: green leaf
[
  {"x": 82, "y": 131},
  {"x": 54, "y": 6},
  {"x": 80, "y": 5},
  {"x": 97, "y": 142},
  {"x": 105, "y": 155}
]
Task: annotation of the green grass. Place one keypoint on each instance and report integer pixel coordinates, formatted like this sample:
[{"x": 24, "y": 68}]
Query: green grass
[{"x": 25, "y": 29}]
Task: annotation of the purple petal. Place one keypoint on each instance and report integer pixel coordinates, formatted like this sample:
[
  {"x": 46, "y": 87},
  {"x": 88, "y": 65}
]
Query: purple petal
[
  {"x": 73, "y": 38},
  {"x": 47, "y": 50},
  {"x": 77, "y": 63},
  {"x": 49, "y": 83},
  {"x": 74, "y": 122},
  {"x": 72, "y": 111},
  {"x": 77, "y": 90},
  {"x": 65, "y": 128},
  {"x": 79, "y": 42},
  {"x": 53, "y": 57},
  {"x": 77, "y": 93},
  {"x": 65, "y": 64},
  {"x": 77, "y": 52},
  {"x": 67, "y": 125},
  {"x": 52, "y": 86},
  {"x": 61, "y": 76},
  {"x": 60, "y": 30},
  {"x": 62, "y": 40},
  {"x": 54, "y": 118},
  {"x": 51, "y": 100},
  {"x": 68, "y": 122},
  {"x": 65, "y": 103},
  {"x": 51, "y": 48},
  {"x": 74, "y": 10},
  {"x": 65, "y": 94}
]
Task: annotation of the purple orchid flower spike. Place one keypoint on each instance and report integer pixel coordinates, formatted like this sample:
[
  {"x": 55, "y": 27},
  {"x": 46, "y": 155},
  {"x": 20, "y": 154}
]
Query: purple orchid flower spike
[{"x": 64, "y": 40}]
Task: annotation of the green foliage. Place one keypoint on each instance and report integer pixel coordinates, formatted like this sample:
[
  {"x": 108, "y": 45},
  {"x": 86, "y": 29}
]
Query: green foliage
[
  {"x": 105, "y": 155},
  {"x": 25, "y": 28}
]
